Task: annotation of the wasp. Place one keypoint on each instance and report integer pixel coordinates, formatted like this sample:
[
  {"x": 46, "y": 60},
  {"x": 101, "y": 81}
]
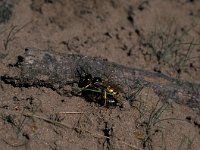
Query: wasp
[{"x": 96, "y": 89}]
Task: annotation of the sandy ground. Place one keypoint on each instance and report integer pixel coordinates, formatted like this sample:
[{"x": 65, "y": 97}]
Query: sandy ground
[{"x": 154, "y": 35}]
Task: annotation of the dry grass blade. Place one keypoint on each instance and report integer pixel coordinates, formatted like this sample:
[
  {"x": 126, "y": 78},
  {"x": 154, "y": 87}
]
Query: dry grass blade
[
  {"x": 71, "y": 112},
  {"x": 14, "y": 144},
  {"x": 12, "y": 33}
]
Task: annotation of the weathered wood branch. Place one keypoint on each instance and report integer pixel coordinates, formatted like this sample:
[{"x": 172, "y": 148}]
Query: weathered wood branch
[{"x": 55, "y": 70}]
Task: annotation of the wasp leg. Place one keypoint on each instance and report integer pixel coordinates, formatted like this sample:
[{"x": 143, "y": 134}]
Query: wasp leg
[{"x": 105, "y": 97}]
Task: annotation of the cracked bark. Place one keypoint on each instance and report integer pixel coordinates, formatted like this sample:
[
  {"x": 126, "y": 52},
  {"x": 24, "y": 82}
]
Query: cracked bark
[{"x": 55, "y": 70}]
